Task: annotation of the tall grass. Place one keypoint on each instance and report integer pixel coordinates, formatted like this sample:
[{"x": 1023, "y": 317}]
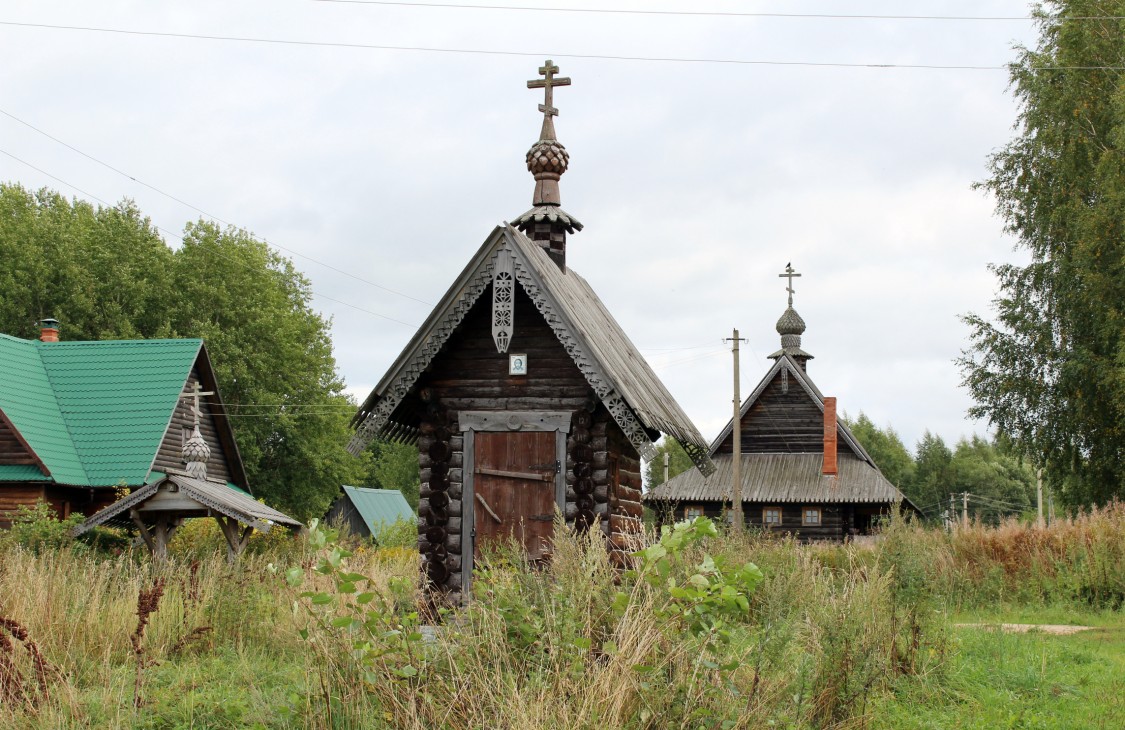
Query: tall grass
[{"x": 830, "y": 632}]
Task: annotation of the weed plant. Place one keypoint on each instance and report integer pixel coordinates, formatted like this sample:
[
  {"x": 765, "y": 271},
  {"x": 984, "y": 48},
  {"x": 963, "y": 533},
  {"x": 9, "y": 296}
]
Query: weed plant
[{"x": 831, "y": 636}]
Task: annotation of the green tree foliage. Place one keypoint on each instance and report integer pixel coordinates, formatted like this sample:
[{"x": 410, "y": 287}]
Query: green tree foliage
[
  {"x": 1050, "y": 371},
  {"x": 932, "y": 472},
  {"x": 886, "y": 448},
  {"x": 105, "y": 273},
  {"x": 394, "y": 466},
  {"x": 1000, "y": 484},
  {"x": 678, "y": 462}
]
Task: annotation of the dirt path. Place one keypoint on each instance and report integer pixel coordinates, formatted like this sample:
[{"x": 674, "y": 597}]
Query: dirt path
[{"x": 1057, "y": 629}]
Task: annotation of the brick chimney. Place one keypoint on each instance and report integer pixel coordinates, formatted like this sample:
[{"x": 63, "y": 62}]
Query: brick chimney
[
  {"x": 830, "y": 437},
  {"x": 49, "y": 330}
]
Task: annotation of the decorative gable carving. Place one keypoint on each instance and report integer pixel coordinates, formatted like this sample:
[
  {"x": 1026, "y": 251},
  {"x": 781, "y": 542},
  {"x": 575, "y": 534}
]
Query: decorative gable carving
[{"x": 503, "y": 300}]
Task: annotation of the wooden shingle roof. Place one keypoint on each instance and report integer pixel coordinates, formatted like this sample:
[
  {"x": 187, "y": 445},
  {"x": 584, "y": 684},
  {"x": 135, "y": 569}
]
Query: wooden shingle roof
[
  {"x": 794, "y": 476},
  {"x": 781, "y": 478},
  {"x": 611, "y": 364}
]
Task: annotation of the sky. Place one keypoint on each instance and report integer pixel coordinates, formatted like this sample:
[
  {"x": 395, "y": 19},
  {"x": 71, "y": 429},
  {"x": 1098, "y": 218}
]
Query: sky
[{"x": 378, "y": 144}]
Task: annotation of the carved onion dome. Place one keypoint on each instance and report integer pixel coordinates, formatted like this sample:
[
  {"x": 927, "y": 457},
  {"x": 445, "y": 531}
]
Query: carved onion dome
[
  {"x": 790, "y": 323},
  {"x": 790, "y": 326},
  {"x": 196, "y": 452},
  {"x": 547, "y": 223}
]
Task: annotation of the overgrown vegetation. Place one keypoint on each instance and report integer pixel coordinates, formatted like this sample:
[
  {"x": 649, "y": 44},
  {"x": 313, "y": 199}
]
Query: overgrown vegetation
[{"x": 806, "y": 637}]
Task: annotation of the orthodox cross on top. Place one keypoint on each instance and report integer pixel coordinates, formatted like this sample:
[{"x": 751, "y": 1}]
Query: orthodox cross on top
[
  {"x": 548, "y": 83},
  {"x": 194, "y": 393},
  {"x": 789, "y": 274}
]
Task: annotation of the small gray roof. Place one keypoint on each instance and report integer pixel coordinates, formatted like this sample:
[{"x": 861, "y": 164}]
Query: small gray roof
[
  {"x": 208, "y": 495},
  {"x": 781, "y": 478},
  {"x": 612, "y": 365}
]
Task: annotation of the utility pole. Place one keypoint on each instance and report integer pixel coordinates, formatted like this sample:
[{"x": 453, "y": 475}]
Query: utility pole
[
  {"x": 965, "y": 510},
  {"x": 665, "y": 468},
  {"x": 952, "y": 511},
  {"x": 736, "y": 434},
  {"x": 1039, "y": 495}
]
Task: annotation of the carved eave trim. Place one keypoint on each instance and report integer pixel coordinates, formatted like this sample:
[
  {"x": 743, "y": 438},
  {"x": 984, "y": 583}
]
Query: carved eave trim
[
  {"x": 579, "y": 352},
  {"x": 121, "y": 505},
  {"x": 424, "y": 346}
]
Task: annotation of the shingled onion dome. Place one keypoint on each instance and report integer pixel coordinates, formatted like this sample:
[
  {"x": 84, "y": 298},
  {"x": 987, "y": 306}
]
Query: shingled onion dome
[
  {"x": 196, "y": 452},
  {"x": 790, "y": 326},
  {"x": 547, "y": 223}
]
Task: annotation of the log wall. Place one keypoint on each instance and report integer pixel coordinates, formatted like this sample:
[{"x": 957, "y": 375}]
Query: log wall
[
  {"x": 784, "y": 419},
  {"x": 838, "y": 521},
  {"x": 170, "y": 454},
  {"x": 470, "y": 375}
]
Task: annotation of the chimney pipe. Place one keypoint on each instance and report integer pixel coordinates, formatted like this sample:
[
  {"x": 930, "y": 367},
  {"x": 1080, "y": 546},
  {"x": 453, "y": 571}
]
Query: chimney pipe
[
  {"x": 49, "y": 330},
  {"x": 830, "y": 437}
]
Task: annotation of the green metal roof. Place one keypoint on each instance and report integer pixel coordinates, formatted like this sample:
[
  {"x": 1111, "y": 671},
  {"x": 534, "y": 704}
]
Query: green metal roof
[
  {"x": 22, "y": 473},
  {"x": 94, "y": 412},
  {"x": 379, "y": 507}
]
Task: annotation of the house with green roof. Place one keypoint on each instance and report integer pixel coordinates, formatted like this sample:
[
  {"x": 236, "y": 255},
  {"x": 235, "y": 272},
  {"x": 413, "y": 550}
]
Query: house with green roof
[
  {"x": 83, "y": 423},
  {"x": 366, "y": 511}
]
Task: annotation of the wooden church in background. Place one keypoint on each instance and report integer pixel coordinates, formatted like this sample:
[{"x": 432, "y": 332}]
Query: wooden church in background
[
  {"x": 802, "y": 471},
  {"x": 523, "y": 394}
]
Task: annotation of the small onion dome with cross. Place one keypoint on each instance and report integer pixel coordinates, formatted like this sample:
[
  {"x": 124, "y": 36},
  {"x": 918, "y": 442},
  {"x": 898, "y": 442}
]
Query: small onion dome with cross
[
  {"x": 790, "y": 326},
  {"x": 547, "y": 223}
]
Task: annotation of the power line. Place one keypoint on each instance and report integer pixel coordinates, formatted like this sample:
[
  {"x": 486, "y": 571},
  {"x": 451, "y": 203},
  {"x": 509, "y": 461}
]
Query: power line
[
  {"x": 540, "y": 54},
  {"x": 708, "y": 14},
  {"x": 208, "y": 252},
  {"x": 201, "y": 211}
]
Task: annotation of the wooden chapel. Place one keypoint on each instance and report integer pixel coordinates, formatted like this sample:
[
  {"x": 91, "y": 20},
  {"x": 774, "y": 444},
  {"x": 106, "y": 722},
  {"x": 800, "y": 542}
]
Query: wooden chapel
[{"x": 523, "y": 395}]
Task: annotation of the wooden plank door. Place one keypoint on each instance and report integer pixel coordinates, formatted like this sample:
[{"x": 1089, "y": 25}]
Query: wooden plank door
[{"x": 514, "y": 489}]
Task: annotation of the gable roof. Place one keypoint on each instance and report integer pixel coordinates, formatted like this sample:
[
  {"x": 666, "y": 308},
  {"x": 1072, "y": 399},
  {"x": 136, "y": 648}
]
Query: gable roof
[
  {"x": 379, "y": 507},
  {"x": 785, "y": 362},
  {"x": 611, "y": 364},
  {"x": 95, "y": 412},
  {"x": 785, "y": 477}
]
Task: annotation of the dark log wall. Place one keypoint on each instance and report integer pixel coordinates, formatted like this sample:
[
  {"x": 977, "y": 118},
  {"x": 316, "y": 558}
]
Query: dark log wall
[
  {"x": 838, "y": 521},
  {"x": 65, "y": 501},
  {"x": 602, "y": 471},
  {"x": 784, "y": 419},
  {"x": 626, "y": 528},
  {"x": 13, "y": 450},
  {"x": 13, "y": 496},
  {"x": 171, "y": 447},
  {"x": 469, "y": 374},
  {"x": 441, "y": 456}
]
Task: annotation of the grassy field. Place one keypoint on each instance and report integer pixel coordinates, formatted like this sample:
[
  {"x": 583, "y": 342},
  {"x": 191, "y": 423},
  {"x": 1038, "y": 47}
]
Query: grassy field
[{"x": 309, "y": 635}]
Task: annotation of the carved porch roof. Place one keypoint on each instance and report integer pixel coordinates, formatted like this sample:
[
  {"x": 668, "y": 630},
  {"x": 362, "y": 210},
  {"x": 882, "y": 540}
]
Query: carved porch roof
[{"x": 611, "y": 364}]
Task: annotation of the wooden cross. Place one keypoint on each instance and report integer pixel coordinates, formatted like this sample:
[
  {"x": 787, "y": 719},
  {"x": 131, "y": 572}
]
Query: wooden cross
[
  {"x": 789, "y": 274},
  {"x": 548, "y": 83},
  {"x": 194, "y": 394}
]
